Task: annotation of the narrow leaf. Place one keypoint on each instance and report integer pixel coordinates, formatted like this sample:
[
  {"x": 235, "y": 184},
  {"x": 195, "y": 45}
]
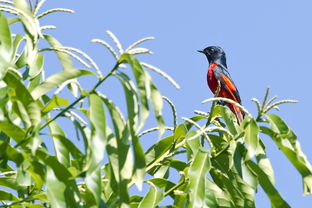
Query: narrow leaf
[
  {"x": 152, "y": 198},
  {"x": 251, "y": 137},
  {"x": 274, "y": 196},
  {"x": 57, "y": 79},
  {"x": 197, "y": 174}
]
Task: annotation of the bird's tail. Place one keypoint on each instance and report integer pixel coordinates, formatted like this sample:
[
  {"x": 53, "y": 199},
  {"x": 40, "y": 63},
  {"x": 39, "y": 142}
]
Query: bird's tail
[{"x": 238, "y": 112}]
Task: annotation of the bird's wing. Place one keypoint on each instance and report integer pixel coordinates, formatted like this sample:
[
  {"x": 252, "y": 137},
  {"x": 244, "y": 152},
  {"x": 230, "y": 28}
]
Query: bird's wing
[{"x": 227, "y": 83}]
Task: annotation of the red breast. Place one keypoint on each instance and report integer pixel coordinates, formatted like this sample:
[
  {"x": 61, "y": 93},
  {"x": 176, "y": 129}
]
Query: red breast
[{"x": 211, "y": 79}]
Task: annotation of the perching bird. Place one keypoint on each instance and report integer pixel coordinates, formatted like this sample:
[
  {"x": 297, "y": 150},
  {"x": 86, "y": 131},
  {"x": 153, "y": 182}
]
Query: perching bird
[{"x": 217, "y": 71}]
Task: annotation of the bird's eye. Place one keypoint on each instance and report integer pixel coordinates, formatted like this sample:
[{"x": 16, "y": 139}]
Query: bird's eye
[{"x": 212, "y": 50}]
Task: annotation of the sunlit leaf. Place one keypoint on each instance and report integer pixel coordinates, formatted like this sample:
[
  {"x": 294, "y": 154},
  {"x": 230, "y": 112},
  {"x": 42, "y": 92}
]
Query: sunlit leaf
[
  {"x": 97, "y": 146},
  {"x": 31, "y": 24},
  {"x": 251, "y": 137},
  {"x": 57, "y": 79},
  {"x": 180, "y": 132},
  {"x": 36, "y": 67},
  {"x": 55, "y": 190},
  {"x": 6, "y": 42},
  {"x": 152, "y": 198},
  {"x": 22, "y": 94},
  {"x": 61, "y": 151},
  {"x": 228, "y": 117},
  {"x": 55, "y": 102},
  {"x": 13, "y": 131},
  {"x": 9, "y": 182},
  {"x": 63, "y": 57},
  {"x": 6, "y": 196},
  {"x": 215, "y": 197},
  {"x": 142, "y": 82},
  {"x": 275, "y": 198},
  {"x": 197, "y": 174},
  {"x": 286, "y": 140},
  {"x": 131, "y": 99}
]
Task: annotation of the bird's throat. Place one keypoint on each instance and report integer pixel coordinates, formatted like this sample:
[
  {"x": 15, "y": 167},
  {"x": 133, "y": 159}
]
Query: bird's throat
[{"x": 219, "y": 60}]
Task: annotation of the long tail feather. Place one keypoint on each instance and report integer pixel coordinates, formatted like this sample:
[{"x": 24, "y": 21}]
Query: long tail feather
[{"x": 238, "y": 113}]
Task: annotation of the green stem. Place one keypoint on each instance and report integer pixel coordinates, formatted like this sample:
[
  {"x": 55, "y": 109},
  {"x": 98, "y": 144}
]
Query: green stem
[
  {"x": 81, "y": 97},
  {"x": 174, "y": 187}
]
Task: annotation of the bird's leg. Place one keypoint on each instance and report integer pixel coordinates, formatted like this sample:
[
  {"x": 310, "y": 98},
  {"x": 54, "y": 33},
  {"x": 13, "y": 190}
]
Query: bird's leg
[{"x": 220, "y": 102}]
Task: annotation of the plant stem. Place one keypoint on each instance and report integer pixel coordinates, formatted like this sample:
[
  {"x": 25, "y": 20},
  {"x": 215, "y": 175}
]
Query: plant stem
[
  {"x": 174, "y": 187},
  {"x": 81, "y": 97}
]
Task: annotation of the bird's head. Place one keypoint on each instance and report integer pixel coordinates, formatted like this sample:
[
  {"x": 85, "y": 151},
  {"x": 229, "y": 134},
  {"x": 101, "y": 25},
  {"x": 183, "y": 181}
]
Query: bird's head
[{"x": 213, "y": 53}]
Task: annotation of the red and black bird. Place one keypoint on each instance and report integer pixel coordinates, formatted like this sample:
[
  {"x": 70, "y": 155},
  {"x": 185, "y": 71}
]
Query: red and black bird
[{"x": 217, "y": 71}]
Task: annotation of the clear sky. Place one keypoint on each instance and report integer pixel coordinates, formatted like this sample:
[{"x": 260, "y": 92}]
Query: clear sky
[{"x": 268, "y": 43}]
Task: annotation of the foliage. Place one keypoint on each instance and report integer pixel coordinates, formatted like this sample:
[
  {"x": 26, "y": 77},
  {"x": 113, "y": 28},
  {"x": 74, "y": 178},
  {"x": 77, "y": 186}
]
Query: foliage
[{"x": 225, "y": 162}]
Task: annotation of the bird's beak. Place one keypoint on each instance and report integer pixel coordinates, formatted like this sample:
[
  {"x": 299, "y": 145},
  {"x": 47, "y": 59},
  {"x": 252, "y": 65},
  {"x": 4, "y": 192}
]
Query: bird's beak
[{"x": 200, "y": 51}]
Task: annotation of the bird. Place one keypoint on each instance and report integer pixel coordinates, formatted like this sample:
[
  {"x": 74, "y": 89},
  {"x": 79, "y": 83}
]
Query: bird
[{"x": 218, "y": 73}]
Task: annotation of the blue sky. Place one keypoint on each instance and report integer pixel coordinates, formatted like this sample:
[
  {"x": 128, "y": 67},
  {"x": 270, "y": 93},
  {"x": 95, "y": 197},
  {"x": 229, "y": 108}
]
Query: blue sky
[{"x": 268, "y": 43}]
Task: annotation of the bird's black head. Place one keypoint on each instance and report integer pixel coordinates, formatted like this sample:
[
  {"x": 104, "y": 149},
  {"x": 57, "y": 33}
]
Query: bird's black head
[{"x": 214, "y": 54}]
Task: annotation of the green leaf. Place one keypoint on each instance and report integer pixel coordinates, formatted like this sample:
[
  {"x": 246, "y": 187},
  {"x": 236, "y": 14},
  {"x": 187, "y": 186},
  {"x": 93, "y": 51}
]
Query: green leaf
[
  {"x": 5, "y": 196},
  {"x": 275, "y": 198},
  {"x": 38, "y": 173},
  {"x": 61, "y": 176},
  {"x": 64, "y": 58},
  {"x": 264, "y": 162},
  {"x": 98, "y": 130},
  {"x": 30, "y": 23},
  {"x": 57, "y": 79},
  {"x": 146, "y": 89},
  {"x": 157, "y": 103},
  {"x": 162, "y": 183},
  {"x": 180, "y": 132},
  {"x": 121, "y": 161},
  {"x": 197, "y": 174},
  {"x": 22, "y": 60},
  {"x": 15, "y": 132},
  {"x": 251, "y": 137},
  {"x": 154, "y": 153},
  {"x": 9, "y": 182},
  {"x": 17, "y": 41},
  {"x": 97, "y": 146},
  {"x": 228, "y": 117},
  {"x": 229, "y": 186},
  {"x": 119, "y": 150},
  {"x": 277, "y": 124},
  {"x": 192, "y": 145},
  {"x": 133, "y": 112},
  {"x": 178, "y": 165},
  {"x": 181, "y": 197},
  {"x": 55, "y": 102},
  {"x": 20, "y": 92},
  {"x": 215, "y": 197},
  {"x": 131, "y": 99},
  {"x": 74, "y": 150},
  {"x": 55, "y": 190},
  {"x": 93, "y": 182},
  {"x": 152, "y": 198},
  {"x": 23, "y": 177},
  {"x": 139, "y": 161},
  {"x": 142, "y": 82},
  {"x": 36, "y": 66},
  {"x": 5, "y": 42},
  {"x": 239, "y": 157},
  {"x": 61, "y": 151},
  {"x": 286, "y": 140},
  {"x": 60, "y": 171}
]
